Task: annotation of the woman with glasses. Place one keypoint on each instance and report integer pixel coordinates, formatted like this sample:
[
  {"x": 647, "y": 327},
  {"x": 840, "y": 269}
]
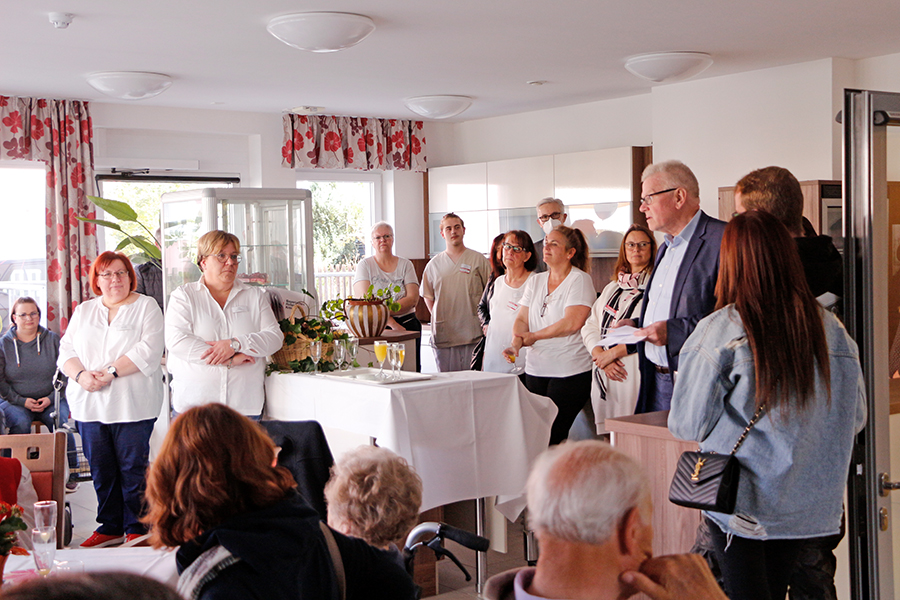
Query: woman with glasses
[
  {"x": 616, "y": 380},
  {"x": 385, "y": 270},
  {"x": 28, "y": 354},
  {"x": 483, "y": 310},
  {"x": 219, "y": 332},
  {"x": 502, "y": 297},
  {"x": 111, "y": 352},
  {"x": 552, "y": 312}
]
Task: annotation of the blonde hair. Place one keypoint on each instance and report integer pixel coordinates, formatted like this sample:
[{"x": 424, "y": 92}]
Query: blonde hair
[
  {"x": 212, "y": 242},
  {"x": 373, "y": 494}
]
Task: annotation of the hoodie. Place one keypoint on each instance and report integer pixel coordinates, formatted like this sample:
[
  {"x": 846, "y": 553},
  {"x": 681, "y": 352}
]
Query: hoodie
[{"x": 26, "y": 369}]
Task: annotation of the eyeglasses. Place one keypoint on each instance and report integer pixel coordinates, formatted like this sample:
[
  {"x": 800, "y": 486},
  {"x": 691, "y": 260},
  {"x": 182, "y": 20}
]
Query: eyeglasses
[
  {"x": 513, "y": 249},
  {"x": 633, "y": 245},
  {"x": 31, "y": 315},
  {"x": 545, "y": 218},
  {"x": 648, "y": 199},
  {"x": 385, "y": 237},
  {"x": 222, "y": 257},
  {"x": 114, "y": 275}
]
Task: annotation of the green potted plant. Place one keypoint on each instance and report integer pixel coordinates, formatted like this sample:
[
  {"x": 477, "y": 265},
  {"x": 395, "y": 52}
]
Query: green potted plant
[
  {"x": 294, "y": 355},
  {"x": 368, "y": 316}
]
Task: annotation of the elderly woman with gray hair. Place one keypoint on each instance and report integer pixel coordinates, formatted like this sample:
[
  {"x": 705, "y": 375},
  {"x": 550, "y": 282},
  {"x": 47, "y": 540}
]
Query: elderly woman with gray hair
[
  {"x": 385, "y": 270},
  {"x": 374, "y": 495}
]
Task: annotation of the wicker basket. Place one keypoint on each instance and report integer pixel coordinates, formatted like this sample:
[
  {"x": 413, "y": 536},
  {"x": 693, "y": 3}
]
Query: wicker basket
[{"x": 299, "y": 350}]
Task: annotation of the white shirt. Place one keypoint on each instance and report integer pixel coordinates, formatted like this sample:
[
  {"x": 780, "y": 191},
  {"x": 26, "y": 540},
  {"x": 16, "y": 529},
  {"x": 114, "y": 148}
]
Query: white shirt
[
  {"x": 193, "y": 317},
  {"x": 504, "y": 308},
  {"x": 559, "y": 356},
  {"x": 659, "y": 296},
  {"x": 403, "y": 275},
  {"x": 135, "y": 332}
]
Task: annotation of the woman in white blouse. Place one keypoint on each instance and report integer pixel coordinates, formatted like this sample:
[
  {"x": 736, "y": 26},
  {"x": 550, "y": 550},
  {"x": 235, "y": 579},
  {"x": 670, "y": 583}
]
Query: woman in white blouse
[
  {"x": 386, "y": 270},
  {"x": 219, "y": 331},
  {"x": 552, "y": 312},
  {"x": 112, "y": 351}
]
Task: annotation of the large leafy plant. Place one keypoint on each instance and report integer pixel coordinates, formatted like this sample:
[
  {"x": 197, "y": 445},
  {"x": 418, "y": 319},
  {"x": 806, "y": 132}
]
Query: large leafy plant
[
  {"x": 385, "y": 294},
  {"x": 121, "y": 211},
  {"x": 322, "y": 327}
]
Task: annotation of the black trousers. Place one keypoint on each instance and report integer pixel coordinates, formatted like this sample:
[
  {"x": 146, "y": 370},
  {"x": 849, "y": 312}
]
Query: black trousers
[
  {"x": 411, "y": 323},
  {"x": 569, "y": 394},
  {"x": 755, "y": 569}
]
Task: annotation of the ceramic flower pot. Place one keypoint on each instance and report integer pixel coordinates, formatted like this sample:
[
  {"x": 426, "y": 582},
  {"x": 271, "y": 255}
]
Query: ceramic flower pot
[{"x": 366, "y": 318}]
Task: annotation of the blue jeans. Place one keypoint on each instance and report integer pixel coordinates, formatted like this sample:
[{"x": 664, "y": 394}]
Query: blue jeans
[
  {"x": 118, "y": 454},
  {"x": 19, "y": 418}
]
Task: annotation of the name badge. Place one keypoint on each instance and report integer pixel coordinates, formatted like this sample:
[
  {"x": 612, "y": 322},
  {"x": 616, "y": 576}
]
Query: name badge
[
  {"x": 512, "y": 306},
  {"x": 610, "y": 310},
  {"x": 239, "y": 309},
  {"x": 464, "y": 268}
]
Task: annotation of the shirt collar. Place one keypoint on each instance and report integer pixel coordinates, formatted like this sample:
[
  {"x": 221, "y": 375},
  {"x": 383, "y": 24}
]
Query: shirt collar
[
  {"x": 523, "y": 582},
  {"x": 686, "y": 234}
]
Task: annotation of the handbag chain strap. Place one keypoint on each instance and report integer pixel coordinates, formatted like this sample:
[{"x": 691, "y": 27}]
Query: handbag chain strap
[{"x": 756, "y": 416}]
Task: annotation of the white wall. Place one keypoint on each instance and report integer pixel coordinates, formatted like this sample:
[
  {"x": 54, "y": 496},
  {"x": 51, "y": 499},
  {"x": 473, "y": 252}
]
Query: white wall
[
  {"x": 724, "y": 127},
  {"x": 593, "y": 126}
]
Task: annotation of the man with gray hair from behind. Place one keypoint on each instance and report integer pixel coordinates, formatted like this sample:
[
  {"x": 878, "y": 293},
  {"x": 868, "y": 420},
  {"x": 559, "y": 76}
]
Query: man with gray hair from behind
[{"x": 590, "y": 507}]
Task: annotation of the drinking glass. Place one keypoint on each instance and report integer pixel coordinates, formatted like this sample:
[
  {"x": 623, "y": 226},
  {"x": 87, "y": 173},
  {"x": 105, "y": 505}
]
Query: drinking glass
[
  {"x": 315, "y": 353},
  {"x": 381, "y": 348},
  {"x": 45, "y": 514},
  {"x": 44, "y": 542},
  {"x": 352, "y": 347},
  {"x": 399, "y": 356},
  {"x": 392, "y": 360},
  {"x": 340, "y": 351}
]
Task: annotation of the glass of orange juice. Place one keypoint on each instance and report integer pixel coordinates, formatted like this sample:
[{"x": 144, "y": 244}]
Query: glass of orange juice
[{"x": 381, "y": 348}]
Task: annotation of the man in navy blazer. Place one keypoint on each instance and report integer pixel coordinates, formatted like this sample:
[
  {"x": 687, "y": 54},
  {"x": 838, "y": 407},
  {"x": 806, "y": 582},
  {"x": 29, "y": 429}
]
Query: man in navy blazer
[{"x": 681, "y": 290}]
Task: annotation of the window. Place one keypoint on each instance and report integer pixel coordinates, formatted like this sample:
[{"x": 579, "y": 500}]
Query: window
[
  {"x": 23, "y": 251},
  {"x": 345, "y": 205}
]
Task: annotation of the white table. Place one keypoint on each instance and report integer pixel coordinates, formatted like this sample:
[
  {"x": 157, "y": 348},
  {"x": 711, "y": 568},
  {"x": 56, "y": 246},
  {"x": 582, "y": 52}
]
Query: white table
[
  {"x": 468, "y": 434},
  {"x": 158, "y": 564}
]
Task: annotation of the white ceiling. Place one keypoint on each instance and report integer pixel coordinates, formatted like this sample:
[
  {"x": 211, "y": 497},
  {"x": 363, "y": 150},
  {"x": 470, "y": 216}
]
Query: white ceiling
[{"x": 221, "y": 56}]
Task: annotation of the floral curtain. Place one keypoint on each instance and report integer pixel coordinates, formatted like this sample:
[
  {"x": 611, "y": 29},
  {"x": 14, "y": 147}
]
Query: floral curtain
[
  {"x": 352, "y": 143},
  {"x": 58, "y": 133}
]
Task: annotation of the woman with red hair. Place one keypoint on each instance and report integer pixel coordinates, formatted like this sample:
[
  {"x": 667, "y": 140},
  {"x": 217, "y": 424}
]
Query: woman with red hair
[
  {"x": 242, "y": 529},
  {"x": 770, "y": 349},
  {"x": 111, "y": 352}
]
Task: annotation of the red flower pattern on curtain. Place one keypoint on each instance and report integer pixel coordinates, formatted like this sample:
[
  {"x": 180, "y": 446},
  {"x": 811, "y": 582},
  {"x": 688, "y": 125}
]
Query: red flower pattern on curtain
[
  {"x": 58, "y": 133},
  {"x": 353, "y": 143}
]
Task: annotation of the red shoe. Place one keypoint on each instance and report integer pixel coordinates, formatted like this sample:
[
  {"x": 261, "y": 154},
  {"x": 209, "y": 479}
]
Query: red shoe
[
  {"x": 137, "y": 539},
  {"x": 101, "y": 540}
]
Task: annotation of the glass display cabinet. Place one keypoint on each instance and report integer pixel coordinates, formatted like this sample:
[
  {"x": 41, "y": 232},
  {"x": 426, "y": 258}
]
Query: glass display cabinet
[{"x": 274, "y": 227}]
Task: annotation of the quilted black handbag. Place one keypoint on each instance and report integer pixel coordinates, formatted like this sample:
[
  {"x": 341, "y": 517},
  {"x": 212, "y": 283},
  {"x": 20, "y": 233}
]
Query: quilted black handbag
[{"x": 709, "y": 481}]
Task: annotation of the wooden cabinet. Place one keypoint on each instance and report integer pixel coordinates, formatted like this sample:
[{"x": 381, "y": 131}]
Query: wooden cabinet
[{"x": 813, "y": 193}]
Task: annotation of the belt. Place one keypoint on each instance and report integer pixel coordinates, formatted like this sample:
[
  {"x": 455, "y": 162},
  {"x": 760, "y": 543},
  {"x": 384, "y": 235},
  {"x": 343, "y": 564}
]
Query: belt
[{"x": 663, "y": 370}]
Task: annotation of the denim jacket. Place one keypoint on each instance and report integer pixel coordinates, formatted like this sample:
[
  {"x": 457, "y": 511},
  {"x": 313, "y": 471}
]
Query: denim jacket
[{"x": 794, "y": 467}]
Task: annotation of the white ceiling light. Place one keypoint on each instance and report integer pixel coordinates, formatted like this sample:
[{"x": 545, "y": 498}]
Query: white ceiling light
[
  {"x": 321, "y": 31},
  {"x": 668, "y": 66},
  {"x": 438, "y": 107},
  {"x": 129, "y": 85}
]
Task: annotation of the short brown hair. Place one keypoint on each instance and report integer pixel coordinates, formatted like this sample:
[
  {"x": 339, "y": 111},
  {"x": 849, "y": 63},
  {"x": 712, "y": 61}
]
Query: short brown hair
[
  {"x": 451, "y": 215},
  {"x": 776, "y": 191},
  {"x": 214, "y": 463},
  {"x": 103, "y": 261},
  {"x": 373, "y": 494},
  {"x": 213, "y": 241},
  {"x": 92, "y": 586}
]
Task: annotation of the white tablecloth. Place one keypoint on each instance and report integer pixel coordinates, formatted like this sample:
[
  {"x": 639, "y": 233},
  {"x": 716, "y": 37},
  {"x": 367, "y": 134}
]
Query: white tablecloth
[
  {"x": 158, "y": 564},
  {"x": 468, "y": 434}
]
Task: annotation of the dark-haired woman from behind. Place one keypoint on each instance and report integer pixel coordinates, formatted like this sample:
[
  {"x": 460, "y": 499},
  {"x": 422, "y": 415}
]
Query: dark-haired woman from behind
[
  {"x": 552, "y": 312},
  {"x": 770, "y": 347},
  {"x": 243, "y": 531}
]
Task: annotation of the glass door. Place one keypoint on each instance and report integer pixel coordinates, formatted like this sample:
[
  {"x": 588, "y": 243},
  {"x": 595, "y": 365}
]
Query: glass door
[{"x": 872, "y": 259}]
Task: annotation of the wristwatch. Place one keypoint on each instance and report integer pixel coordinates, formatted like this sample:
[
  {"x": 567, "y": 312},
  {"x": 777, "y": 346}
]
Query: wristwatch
[
  {"x": 235, "y": 345},
  {"x": 112, "y": 371}
]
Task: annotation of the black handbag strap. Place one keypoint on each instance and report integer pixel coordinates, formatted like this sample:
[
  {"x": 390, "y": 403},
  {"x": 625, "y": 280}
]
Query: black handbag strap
[{"x": 756, "y": 416}]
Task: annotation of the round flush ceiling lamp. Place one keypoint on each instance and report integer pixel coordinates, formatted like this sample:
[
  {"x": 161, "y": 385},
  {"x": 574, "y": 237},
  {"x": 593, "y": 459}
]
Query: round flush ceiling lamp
[
  {"x": 321, "y": 31},
  {"x": 668, "y": 67},
  {"x": 129, "y": 85},
  {"x": 438, "y": 107}
]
